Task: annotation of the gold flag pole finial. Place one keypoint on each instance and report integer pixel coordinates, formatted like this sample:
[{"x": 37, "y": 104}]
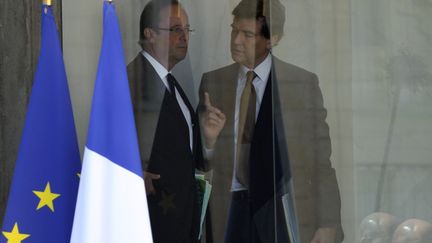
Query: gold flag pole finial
[{"x": 47, "y": 2}]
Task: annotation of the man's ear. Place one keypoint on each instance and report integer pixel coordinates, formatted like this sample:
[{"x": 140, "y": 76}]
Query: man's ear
[
  {"x": 274, "y": 40},
  {"x": 149, "y": 34}
]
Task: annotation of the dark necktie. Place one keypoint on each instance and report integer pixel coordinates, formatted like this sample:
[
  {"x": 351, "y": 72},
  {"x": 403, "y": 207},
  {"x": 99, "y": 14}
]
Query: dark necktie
[
  {"x": 171, "y": 83},
  {"x": 173, "y": 86},
  {"x": 246, "y": 127}
]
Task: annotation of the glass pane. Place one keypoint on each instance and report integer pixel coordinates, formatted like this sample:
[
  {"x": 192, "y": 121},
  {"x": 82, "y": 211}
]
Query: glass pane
[
  {"x": 349, "y": 120},
  {"x": 391, "y": 97}
]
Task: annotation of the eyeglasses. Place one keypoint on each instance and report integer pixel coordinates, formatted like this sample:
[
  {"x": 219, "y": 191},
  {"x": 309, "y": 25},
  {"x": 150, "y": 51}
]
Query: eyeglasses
[{"x": 178, "y": 30}]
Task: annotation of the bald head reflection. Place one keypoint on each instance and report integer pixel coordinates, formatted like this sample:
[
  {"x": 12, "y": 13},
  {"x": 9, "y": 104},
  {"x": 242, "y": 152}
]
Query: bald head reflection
[
  {"x": 413, "y": 231},
  {"x": 378, "y": 228}
]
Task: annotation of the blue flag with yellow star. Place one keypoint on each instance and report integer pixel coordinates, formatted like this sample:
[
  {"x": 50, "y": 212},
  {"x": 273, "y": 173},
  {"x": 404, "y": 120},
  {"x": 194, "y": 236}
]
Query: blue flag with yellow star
[{"x": 43, "y": 193}]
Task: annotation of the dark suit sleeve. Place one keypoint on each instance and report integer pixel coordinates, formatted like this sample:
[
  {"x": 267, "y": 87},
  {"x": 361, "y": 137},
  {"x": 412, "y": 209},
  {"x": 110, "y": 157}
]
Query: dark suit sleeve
[
  {"x": 201, "y": 162},
  {"x": 147, "y": 94}
]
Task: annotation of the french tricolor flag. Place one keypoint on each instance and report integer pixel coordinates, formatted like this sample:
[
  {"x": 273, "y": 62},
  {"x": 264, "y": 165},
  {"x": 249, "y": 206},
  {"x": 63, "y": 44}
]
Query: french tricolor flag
[{"x": 111, "y": 204}]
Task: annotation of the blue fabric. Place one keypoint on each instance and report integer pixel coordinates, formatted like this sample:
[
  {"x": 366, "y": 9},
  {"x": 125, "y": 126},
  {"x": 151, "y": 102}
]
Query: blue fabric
[
  {"x": 48, "y": 151},
  {"x": 112, "y": 130}
]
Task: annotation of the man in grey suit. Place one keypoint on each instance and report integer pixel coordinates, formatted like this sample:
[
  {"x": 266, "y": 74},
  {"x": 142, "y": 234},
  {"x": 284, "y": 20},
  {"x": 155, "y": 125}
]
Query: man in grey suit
[
  {"x": 274, "y": 133},
  {"x": 167, "y": 126}
]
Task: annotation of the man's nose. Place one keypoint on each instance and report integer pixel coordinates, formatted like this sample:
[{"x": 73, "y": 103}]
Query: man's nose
[
  {"x": 237, "y": 38},
  {"x": 184, "y": 34}
]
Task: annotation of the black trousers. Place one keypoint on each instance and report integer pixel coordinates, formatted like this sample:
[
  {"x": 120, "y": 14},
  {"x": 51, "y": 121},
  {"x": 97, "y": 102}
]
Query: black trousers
[{"x": 239, "y": 226}]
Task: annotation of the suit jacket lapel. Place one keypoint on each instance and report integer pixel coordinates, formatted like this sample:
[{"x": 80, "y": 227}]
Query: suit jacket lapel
[{"x": 155, "y": 88}]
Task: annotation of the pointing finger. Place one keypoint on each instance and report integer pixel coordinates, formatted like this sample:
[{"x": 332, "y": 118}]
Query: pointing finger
[{"x": 207, "y": 102}]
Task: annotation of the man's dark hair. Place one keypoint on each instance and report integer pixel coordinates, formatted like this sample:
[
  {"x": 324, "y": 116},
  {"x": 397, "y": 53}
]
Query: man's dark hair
[
  {"x": 150, "y": 15},
  {"x": 270, "y": 13}
]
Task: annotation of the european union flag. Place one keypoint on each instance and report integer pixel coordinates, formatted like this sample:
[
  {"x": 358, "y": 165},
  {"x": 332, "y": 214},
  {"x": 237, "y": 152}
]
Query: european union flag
[
  {"x": 112, "y": 204},
  {"x": 43, "y": 193}
]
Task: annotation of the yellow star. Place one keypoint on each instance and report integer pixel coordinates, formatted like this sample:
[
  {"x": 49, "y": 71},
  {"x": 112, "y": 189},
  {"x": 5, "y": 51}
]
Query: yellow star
[
  {"x": 167, "y": 202},
  {"x": 15, "y": 236},
  {"x": 46, "y": 197}
]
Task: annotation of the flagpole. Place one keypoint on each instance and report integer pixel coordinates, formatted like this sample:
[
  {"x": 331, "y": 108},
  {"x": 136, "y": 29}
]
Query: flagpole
[{"x": 47, "y": 2}]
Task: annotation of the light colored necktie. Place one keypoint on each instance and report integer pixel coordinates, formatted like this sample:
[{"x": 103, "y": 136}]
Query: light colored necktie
[{"x": 246, "y": 127}]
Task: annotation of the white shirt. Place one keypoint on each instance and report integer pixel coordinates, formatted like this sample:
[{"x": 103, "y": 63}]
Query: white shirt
[
  {"x": 163, "y": 72},
  {"x": 263, "y": 72}
]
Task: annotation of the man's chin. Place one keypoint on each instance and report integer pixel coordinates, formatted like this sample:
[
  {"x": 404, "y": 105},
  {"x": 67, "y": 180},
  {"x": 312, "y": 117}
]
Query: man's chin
[
  {"x": 183, "y": 51},
  {"x": 237, "y": 58},
  {"x": 180, "y": 57}
]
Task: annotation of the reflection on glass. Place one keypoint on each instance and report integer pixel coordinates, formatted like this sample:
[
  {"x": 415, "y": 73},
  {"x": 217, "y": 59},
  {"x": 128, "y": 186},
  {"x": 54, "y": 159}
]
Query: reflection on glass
[
  {"x": 271, "y": 172},
  {"x": 374, "y": 62},
  {"x": 392, "y": 114},
  {"x": 167, "y": 125},
  {"x": 413, "y": 231},
  {"x": 378, "y": 228}
]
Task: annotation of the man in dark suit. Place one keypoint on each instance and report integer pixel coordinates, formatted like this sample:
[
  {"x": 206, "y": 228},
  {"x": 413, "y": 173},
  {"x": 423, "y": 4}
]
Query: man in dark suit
[
  {"x": 275, "y": 134},
  {"x": 167, "y": 127}
]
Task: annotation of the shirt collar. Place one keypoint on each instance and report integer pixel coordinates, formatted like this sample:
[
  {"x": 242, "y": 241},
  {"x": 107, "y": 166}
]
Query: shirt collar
[
  {"x": 262, "y": 70},
  {"x": 160, "y": 69}
]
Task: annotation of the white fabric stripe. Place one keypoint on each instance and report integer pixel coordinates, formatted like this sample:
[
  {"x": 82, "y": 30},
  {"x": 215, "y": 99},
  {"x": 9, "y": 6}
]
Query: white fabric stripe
[{"x": 111, "y": 204}]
